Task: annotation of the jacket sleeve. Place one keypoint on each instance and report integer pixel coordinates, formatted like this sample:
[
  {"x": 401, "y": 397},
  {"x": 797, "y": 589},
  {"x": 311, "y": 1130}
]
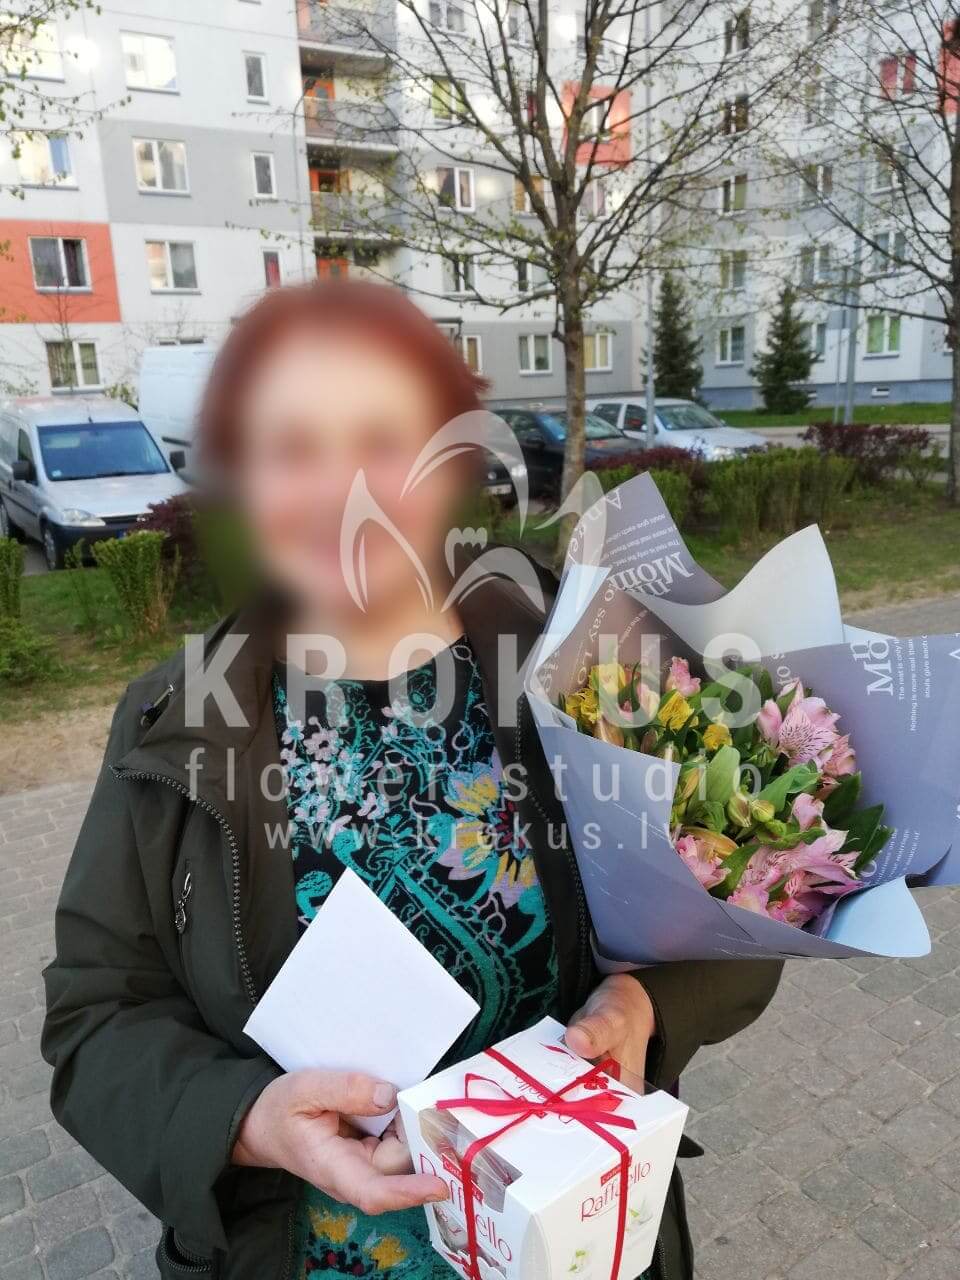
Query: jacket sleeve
[
  {"x": 138, "y": 1080},
  {"x": 698, "y": 1002}
]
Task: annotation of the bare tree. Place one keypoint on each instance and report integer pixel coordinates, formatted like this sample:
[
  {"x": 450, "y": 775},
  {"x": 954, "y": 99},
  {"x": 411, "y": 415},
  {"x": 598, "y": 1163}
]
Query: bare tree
[
  {"x": 882, "y": 89},
  {"x": 593, "y": 137}
]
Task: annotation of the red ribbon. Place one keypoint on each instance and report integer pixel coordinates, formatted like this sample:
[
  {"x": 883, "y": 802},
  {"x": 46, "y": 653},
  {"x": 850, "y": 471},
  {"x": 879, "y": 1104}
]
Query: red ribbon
[{"x": 594, "y": 1112}]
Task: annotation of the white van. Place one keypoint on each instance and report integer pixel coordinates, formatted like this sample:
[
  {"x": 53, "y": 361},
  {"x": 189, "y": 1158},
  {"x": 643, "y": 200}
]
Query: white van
[
  {"x": 78, "y": 467},
  {"x": 172, "y": 380}
]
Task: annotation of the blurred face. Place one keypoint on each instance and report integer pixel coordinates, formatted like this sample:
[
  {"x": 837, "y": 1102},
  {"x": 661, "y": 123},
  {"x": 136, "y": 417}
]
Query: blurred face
[{"x": 331, "y": 426}]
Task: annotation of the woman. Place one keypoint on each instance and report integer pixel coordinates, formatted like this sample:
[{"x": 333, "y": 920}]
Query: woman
[{"x": 182, "y": 901}]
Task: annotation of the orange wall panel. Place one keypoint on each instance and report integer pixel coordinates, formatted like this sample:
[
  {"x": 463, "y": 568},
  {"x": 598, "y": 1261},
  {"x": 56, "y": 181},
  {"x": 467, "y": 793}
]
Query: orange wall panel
[
  {"x": 616, "y": 147},
  {"x": 22, "y": 303}
]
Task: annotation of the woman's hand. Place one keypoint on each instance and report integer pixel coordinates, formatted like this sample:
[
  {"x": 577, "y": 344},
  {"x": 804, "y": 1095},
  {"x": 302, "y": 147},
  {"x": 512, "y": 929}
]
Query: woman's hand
[
  {"x": 617, "y": 1021},
  {"x": 296, "y": 1125}
]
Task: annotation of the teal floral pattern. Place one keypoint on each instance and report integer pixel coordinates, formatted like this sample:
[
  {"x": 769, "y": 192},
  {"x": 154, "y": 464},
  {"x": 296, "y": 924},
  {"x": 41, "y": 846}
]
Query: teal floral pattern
[{"x": 416, "y": 804}]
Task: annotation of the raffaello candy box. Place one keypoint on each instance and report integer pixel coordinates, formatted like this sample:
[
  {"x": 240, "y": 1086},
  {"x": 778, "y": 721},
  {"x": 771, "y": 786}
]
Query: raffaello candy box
[{"x": 555, "y": 1166}]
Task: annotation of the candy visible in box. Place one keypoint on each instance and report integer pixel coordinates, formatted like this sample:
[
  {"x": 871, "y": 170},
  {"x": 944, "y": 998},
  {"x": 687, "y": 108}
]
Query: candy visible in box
[{"x": 555, "y": 1166}]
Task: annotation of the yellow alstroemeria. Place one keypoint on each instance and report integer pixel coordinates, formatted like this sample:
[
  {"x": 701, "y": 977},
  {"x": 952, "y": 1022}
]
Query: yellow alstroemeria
[
  {"x": 608, "y": 676},
  {"x": 716, "y": 736},
  {"x": 718, "y": 845},
  {"x": 583, "y": 705},
  {"x": 675, "y": 712}
]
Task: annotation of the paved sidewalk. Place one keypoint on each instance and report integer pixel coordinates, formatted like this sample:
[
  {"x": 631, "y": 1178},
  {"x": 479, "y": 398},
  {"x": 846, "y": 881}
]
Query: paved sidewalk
[{"x": 832, "y": 1127}]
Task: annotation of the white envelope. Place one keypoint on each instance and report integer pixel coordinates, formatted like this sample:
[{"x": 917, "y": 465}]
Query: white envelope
[{"x": 359, "y": 993}]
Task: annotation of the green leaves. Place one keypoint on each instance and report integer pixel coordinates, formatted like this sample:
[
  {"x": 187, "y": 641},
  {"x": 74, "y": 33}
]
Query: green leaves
[
  {"x": 842, "y": 801},
  {"x": 722, "y": 775},
  {"x": 802, "y": 777}
]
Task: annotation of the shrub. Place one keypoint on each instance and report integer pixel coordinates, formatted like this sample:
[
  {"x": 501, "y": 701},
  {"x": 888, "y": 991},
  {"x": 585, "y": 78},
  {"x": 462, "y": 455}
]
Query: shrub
[
  {"x": 676, "y": 489},
  {"x": 77, "y": 576},
  {"x": 25, "y": 655},
  {"x": 736, "y": 495},
  {"x": 877, "y": 453},
  {"x": 141, "y": 577},
  {"x": 11, "y": 571}
]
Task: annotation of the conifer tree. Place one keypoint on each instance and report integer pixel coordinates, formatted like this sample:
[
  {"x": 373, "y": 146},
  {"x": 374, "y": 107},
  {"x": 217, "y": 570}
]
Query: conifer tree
[
  {"x": 676, "y": 359},
  {"x": 784, "y": 367}
]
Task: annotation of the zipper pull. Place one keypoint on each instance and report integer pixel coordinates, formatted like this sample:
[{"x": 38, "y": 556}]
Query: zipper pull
[
  {"x": 151, "y": 711},
  {"x": 180, "y": 915}
]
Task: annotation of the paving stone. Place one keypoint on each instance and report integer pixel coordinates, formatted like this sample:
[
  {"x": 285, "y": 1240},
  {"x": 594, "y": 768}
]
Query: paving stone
[
  {"x": 793, "y": 1152},
  {"x": 61, "y": 1172},
  {"x": 938, "y": 1264},
  {"x": 712, "y": 1082},
  {"x": 892, "y": 982},
  {"x": 906, "y": 1021},
  {"x": 66, "y": 1214},
  {"x": 28, "y": 1268},
  {"x": 923, "y": 1133},
  {"x": 80, "y": 1255},
  {"x": 890, "y": 1231},
  {"x": 942, "y": 995},
  {"x": 23, "y": 1150},
  {"x": 838, "y": 1188},
  {"x": 16, "y": 1238},
  {"x": 845, "y": 1257},
  {"x": 11, "y": 1195},
  {"x": 135, "y": 1230},
  {"x": 936, "y": 1056},
  {"x": 859, "y": 1050}
]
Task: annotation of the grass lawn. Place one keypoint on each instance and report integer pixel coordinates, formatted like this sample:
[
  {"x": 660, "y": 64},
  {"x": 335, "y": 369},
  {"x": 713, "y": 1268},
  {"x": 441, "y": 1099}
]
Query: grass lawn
[
  {"x": 884, "y": 414},
  {"x": 887, "y": 545}
]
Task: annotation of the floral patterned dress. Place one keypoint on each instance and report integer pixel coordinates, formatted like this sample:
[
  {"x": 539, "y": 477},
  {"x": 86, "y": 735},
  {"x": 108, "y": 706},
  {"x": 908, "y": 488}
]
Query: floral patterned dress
[{"x": 446, "y": 853}]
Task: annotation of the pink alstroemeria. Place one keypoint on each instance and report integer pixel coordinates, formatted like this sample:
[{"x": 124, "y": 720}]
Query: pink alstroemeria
[
  {"x": 805, "y": 733},
  {"x": 807, "y": 810},
  {"x": 842, "y": 760},
  {"x": 647, "y": 700},
  {"x": 680, "y": 679},
  {"x": 701, "y": 860},
  {"x": 751, "y": 897}
]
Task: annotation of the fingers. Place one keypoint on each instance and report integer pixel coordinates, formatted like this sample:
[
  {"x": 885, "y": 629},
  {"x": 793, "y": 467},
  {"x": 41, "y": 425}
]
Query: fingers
[
  {"x": 599, "y": 1027},
  {"x": 348, "y": 1092},
  {"x": 392, "y": 1155},
  {"x": 358, "y": 1182}
]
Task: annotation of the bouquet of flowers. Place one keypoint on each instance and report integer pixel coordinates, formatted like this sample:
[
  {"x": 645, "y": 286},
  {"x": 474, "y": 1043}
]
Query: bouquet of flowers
[
  {"x": 742, "y": 772},
  {"x": 778, "y": 847}
]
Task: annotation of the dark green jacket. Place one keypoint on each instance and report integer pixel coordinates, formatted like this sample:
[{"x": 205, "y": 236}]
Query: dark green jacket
[{"x": 144, "y": 1028}]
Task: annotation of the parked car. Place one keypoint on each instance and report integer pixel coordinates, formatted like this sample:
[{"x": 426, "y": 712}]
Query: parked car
[
  {"x": 78, "y": 467},
  {"x": 681, "y": 424},
  {"x": 172, "y": 381},
  {"x": 542, "y": 433}
]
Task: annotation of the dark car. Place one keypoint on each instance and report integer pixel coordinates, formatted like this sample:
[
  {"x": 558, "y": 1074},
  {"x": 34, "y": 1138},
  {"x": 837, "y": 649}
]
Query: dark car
[{"x": 542, "y": 434}]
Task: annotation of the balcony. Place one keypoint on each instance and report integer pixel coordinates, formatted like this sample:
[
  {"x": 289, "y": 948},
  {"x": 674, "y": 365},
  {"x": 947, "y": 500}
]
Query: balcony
[
  {"x": 350, "y": 39},
  {"x": 342, "y": 219},
  {"x": 358, "y": 128}
]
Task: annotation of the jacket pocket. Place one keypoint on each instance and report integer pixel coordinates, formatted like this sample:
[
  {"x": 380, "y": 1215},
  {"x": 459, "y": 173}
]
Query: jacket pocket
[{"x": 175, "y": 1261}]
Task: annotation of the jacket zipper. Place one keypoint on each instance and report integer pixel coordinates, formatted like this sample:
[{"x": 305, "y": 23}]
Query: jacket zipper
[
  {"x": 246, "y": 974},
  {"x": 571, "y": 861}
]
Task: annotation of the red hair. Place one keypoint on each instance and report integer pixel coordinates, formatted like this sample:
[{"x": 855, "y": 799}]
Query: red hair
[{"x": 377, "y": 312}]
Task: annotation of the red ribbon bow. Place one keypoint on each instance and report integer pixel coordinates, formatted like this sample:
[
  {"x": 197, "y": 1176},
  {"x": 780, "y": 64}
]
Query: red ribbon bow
[{"x": 594, "y": 1112}]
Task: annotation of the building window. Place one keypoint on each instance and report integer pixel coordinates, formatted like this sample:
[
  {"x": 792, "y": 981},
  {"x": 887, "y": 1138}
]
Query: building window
[
  {"x": 733, "y": 194},
  {"x": 816, "y": 333},
  {"x": 594, "y": 202},
  {"x": 172, "y": 266},
  {"x": 736, "y": 114},
  {"x": 598, "y": 352},
  {"x": 888, "y": 172},
  {"x": 59, "y": 263},
  {"x": 531, "y": 276},
  {"x": 518, "y": 24},
  {"x": 161, "y": 165},
  {"x": 898, "y": 75},
  {"x": 890, "y": 250},
  {"x": 73, "y": 364},
  {"x": 522, "y": 202},
  {"x": 821, "y": 17},
  {"x": 457, "y": 274},
  {"x": 820, "y": 99},
  {"x": 255, "y": 65},
  {"x": 733, "y": 269},
  {"x": 446, "y": 99},
  {"x": 816, "y": 183},
  {"x": 535, "y": 353},
  {"x": 455, "y": 188},
  {"x": 449, "y": 15},
  {"x": 472, "y": 351},
  {"x": 33, "y": 54},
  {"x": 883, "y": 335},
  {"x": 731, "y": 344},
  {"x": 150, "y": 62},
  {"x": 264, "y": 177},
  {"x": 272, "y": 276},
  {"x": 736, "y": 33},
  {"x": 815, "y": 264},
  {"x": 44, "y": 161}
]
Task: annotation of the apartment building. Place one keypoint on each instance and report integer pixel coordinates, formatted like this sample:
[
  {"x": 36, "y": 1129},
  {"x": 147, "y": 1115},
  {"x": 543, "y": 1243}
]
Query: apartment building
[
  {"x": 784, "y": 209},
  {"x": 230, "y": 143}
]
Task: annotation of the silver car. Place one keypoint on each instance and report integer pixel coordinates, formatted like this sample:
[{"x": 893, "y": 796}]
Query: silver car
[
  {"x": 681, "y": 424},
  {"x": 78, "y": 467}
]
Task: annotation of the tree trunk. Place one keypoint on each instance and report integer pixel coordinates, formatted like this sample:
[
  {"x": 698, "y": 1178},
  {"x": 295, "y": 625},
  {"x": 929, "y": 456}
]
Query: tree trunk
[
  {"x": 576, "y": 398},
  {"x": 953, "y": 452}
]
